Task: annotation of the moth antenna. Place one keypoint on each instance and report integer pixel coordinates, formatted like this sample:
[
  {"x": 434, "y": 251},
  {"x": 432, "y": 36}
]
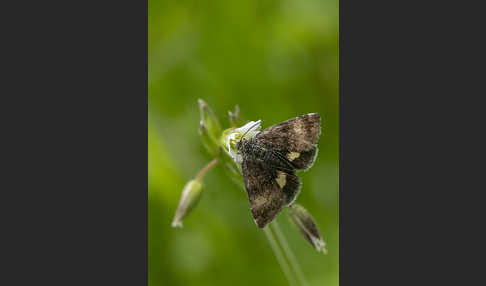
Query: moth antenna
[{"x": 249, "y": 129}]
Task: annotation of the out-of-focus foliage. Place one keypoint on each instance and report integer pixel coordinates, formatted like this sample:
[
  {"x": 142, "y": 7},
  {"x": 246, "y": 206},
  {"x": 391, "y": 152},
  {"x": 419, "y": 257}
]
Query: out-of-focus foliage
[{"x": 276, "y": 60}]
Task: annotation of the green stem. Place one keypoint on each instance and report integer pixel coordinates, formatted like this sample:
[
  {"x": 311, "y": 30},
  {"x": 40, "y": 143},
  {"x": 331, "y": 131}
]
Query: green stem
[
  {"x": 290, "y": 254},
  {"x": 206, "y": 169},
  {"x": 280, "y": 258}
]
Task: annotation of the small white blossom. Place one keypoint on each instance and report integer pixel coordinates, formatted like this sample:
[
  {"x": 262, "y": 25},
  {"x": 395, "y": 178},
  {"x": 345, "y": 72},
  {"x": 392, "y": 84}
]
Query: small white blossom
[{"x": 235, "y": 135}]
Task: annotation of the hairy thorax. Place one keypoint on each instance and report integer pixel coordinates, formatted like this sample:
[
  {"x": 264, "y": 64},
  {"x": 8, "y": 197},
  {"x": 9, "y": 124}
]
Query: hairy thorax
[{"x": 254, "y": 150}]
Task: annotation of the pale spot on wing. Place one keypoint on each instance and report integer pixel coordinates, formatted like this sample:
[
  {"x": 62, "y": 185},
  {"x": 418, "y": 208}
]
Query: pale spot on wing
[
  {"x": 293, "y": 155},
  {"x": 258, "y": 201},
  {"x": 281, "y": 179}
]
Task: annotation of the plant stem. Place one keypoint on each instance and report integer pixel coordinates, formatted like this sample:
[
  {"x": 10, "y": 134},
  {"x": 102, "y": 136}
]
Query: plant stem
[
  {"x": 206, "y": 169},
  {"x": 290, "y": 254},
  {"x": 279, "y": 255}
]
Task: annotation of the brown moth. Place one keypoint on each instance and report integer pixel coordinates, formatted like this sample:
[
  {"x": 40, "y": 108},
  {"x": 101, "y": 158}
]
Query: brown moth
[{"x": 269, "y": 162}]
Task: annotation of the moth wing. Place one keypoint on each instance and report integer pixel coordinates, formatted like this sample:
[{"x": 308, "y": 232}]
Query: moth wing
[
  {"x": 296, "y": 139},
  {"x": 268, "y": 189}
]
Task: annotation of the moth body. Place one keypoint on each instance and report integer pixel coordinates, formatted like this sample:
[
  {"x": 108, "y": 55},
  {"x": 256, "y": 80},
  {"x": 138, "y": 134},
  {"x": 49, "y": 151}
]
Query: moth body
[{"x": 270, "y": 159}]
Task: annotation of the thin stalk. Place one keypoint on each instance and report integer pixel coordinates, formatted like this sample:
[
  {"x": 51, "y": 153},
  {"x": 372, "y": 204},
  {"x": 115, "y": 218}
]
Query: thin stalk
[
  {"x": 280, "y": 258},
  {"x": 290, "y": 254},
  {"x": 206, "y": 169}
]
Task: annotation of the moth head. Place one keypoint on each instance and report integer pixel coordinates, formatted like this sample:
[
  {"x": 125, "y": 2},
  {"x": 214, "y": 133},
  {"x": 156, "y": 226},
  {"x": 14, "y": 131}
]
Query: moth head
[
  {"x": 240, "y": 143},
  {"x": 243, "y": 139},
  {"x": 235, "y": 139}
]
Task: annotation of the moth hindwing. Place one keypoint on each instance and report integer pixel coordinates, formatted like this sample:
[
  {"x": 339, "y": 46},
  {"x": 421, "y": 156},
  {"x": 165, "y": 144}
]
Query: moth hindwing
[{"x": 270, "y": 160}]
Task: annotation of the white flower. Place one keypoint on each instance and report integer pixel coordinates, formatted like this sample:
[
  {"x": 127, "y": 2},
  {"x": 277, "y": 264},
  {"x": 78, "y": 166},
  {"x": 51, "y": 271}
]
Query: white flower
[{"x": 248, "y": 130}]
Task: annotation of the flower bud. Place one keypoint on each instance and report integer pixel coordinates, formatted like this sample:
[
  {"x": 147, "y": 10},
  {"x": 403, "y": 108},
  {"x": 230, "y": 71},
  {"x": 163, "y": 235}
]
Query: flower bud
[
  {"x": 207, "y": 140},
  {"x": 209, "y": 121},
  {"x": 305, "y": 223},
  {"x": 189, "y": 199}
]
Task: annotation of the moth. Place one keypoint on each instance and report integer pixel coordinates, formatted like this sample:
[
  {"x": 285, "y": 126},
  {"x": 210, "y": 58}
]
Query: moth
[{"x": 270, "y": 159}]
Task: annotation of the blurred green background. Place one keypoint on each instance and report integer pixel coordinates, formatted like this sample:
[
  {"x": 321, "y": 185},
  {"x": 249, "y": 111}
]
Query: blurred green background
[{"x": 276, "y": 60}]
